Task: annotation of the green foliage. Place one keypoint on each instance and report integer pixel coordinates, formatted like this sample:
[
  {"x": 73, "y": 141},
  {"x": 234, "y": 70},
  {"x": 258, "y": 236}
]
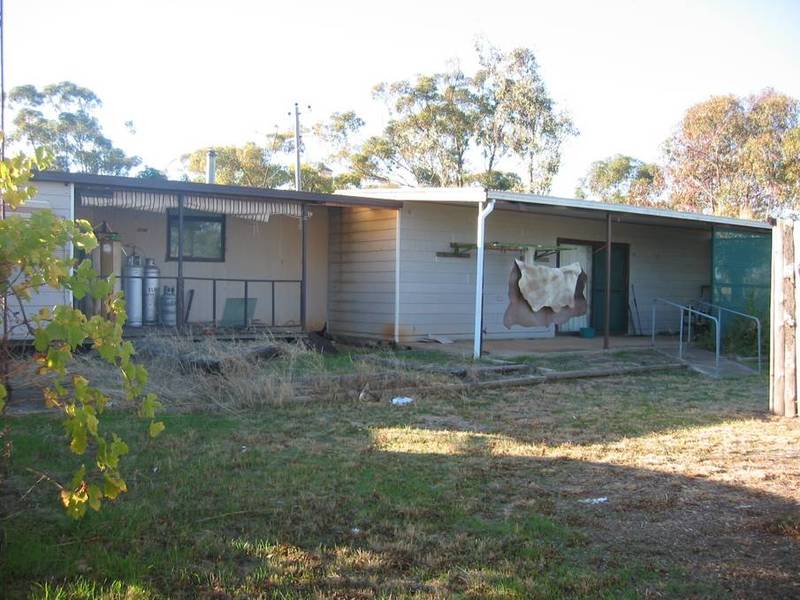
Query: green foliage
[
  {"x": 431, "y": 127},
  {"x": 623, "y": 180},
  {"x": 737, "y": 156},
  {"x": 250, "y": 165},
  {"x": 151, "y": 173},
  {"x": 338, "y": 132},
  {"x": 497, "y": 180},
  {"x": 532, "y": 126},
  {"x": 439, "y": 123},
  {"x": 61, "y": 117},
  {"x": 315, "y": 178},
  {"x": 31, "y": 257}
]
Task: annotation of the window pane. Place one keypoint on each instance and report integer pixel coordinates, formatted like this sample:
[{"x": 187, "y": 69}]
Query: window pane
[{"x": 202, "y": 239}]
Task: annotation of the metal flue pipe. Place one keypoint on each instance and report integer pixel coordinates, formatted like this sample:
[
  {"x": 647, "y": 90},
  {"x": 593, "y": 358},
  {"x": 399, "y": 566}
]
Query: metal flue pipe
[{"x": 211, "y": 166}]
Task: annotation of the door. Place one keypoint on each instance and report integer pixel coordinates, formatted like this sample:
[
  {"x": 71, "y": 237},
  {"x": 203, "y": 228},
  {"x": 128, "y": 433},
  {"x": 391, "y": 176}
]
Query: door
[
  {"x": 578, "y": 253},
  {"x": 619, "y": 289}
]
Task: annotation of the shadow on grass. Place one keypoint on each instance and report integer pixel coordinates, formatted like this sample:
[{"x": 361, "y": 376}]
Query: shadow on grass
[
  {"x": 604, "y": 411},
  {"x": 297, "y": 501}
]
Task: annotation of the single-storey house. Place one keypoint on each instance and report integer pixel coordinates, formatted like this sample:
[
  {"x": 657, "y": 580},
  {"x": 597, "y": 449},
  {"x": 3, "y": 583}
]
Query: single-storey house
[{"x": 409, "y": 264}]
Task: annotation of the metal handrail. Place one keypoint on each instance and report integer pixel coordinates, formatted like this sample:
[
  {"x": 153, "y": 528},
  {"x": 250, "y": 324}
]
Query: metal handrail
[
  {"x": 720, "y": 309},
  {"x": 689, "y": 310},
  {"x": 214, "y": 280}
]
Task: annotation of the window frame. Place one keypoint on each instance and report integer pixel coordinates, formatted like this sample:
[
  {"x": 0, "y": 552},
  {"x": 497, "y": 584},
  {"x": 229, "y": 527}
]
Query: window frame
[{"x": 173, "y": 217}]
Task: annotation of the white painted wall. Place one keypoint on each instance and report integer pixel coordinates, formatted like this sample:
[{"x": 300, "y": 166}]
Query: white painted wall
[
  {"x": 437, "y": 294},
  {"x": 58, "y": 198},
  {"x": 362, "y": 272},
  {"x": 253, "y": 250}
]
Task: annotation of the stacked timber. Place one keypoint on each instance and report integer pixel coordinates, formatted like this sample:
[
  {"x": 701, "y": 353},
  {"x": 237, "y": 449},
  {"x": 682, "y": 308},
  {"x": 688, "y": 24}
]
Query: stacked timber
[{"x": 785, "y": 301}]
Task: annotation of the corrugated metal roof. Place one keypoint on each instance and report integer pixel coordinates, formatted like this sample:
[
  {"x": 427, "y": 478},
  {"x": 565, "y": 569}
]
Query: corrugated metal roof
[
  {"x": 624, "y": 209},
  {"x": 111, "y": 182},
  {"x": 560, "y": 206}
]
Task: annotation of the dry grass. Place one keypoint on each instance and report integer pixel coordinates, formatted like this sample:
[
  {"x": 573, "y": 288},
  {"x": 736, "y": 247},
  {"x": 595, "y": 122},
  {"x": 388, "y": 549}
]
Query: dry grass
[
  {"x": 179, "y": 374},
  {"x": 474, "y": 496}
]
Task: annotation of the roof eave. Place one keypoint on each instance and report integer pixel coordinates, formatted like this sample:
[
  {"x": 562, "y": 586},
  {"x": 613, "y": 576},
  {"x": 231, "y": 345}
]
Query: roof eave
[
  {"x": 211, "y": 189},
  {"x": 591, "y": 205}
]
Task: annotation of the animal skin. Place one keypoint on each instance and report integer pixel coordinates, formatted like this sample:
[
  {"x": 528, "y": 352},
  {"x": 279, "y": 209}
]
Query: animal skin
[{"x": 519, "y": 312}]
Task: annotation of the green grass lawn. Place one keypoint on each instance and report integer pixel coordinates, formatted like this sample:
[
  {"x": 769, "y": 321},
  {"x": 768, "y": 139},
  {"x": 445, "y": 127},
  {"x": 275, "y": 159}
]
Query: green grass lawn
[{"x": 466, "y": 496}]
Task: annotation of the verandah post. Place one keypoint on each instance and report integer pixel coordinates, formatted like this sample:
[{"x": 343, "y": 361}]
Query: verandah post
[
  {"x": 179, "y": 299},
  {"x": 303, "y": 267},
  {"x": 607, "y": 330}
]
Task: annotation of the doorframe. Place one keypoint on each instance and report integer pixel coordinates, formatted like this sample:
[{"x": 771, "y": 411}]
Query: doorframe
[{"x": 596, "y": 247}]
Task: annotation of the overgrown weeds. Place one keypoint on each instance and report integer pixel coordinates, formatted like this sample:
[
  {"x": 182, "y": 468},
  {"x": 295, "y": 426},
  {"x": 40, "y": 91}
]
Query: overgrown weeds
[{"x": 235, "y": 374}]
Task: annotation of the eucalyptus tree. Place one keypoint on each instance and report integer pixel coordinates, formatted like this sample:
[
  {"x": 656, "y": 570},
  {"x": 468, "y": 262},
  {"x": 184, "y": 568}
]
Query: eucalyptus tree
[
  {"x": 537, "y": 129},
  {"x": 251, "y": 164},
  {"x": 623, "y": 180},
  {"x": 430, "y": 131},
  {"x": 737, "y": 155},
  {"x": 62, "y": 117}
]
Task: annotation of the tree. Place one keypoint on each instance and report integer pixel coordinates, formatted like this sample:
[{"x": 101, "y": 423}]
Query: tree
[
  {"x": 537, "y": 128},
  {"x": 736, "y": 156},
  {"x": 623, "y": 180},
  {"x": 492, "y": 88},
  {"x": 31, "y": 257},
  {"x": 315, "y": 178},
  {"x": 151, "y": 173},
  {"x": 61, "y": 117},
  {"x": 431, "y": 128},
  {"x": 249, "y": 165},
  {"x": 497, "y": 180},
  {"x": 338, "y": 133},
  {"x": 440, "y": 123}
]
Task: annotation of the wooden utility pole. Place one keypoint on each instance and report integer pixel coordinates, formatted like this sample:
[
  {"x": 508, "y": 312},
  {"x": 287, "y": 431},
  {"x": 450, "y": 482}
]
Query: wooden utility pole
[{"x": 784, "y": 304}]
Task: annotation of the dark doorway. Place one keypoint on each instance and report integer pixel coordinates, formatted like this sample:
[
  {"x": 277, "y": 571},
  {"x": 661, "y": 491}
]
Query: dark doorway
[
  {"x": 619, "y": 289},
  {"x": 620, "y": 254}
]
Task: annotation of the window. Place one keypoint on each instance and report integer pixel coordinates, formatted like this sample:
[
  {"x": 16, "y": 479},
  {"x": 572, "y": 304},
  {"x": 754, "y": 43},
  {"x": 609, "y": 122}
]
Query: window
[{"x": 203, "y": 236}]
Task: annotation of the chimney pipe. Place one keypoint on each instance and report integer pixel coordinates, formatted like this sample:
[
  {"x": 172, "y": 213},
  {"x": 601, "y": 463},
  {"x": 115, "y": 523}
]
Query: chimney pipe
[{"x": 211, "y": 166}]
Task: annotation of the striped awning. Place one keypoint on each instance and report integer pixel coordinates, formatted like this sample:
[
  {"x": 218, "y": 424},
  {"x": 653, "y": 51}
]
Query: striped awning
[{"x": 254, "y": 209}]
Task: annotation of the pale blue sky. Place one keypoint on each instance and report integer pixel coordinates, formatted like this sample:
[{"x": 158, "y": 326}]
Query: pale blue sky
[{"x": 196, "y": 73}]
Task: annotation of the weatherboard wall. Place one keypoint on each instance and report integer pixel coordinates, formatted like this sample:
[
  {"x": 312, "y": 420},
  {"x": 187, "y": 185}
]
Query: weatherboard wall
[
  {"x": 253, "y": 250},
  {"x": 361, "y": 287},
  {"x": 58, "y": 198},
  {"x": 437, "y": 294}
]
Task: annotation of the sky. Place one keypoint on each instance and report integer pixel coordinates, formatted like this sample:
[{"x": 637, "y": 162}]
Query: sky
[{"x": 193, "y": 74}]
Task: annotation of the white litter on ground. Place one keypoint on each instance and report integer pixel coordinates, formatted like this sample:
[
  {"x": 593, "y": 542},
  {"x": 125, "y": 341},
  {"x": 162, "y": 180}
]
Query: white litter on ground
[
  {"x": 402, "y": 400},
  {"x": 600, "y": 500}
]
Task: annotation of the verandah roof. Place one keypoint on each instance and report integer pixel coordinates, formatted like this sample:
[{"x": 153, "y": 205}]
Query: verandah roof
[{"x": 244, "y": 208}]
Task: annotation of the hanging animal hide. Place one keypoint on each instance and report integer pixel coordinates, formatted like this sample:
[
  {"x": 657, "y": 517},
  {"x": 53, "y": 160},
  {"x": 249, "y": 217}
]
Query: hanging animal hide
[{"x": 519, "y": 310}]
